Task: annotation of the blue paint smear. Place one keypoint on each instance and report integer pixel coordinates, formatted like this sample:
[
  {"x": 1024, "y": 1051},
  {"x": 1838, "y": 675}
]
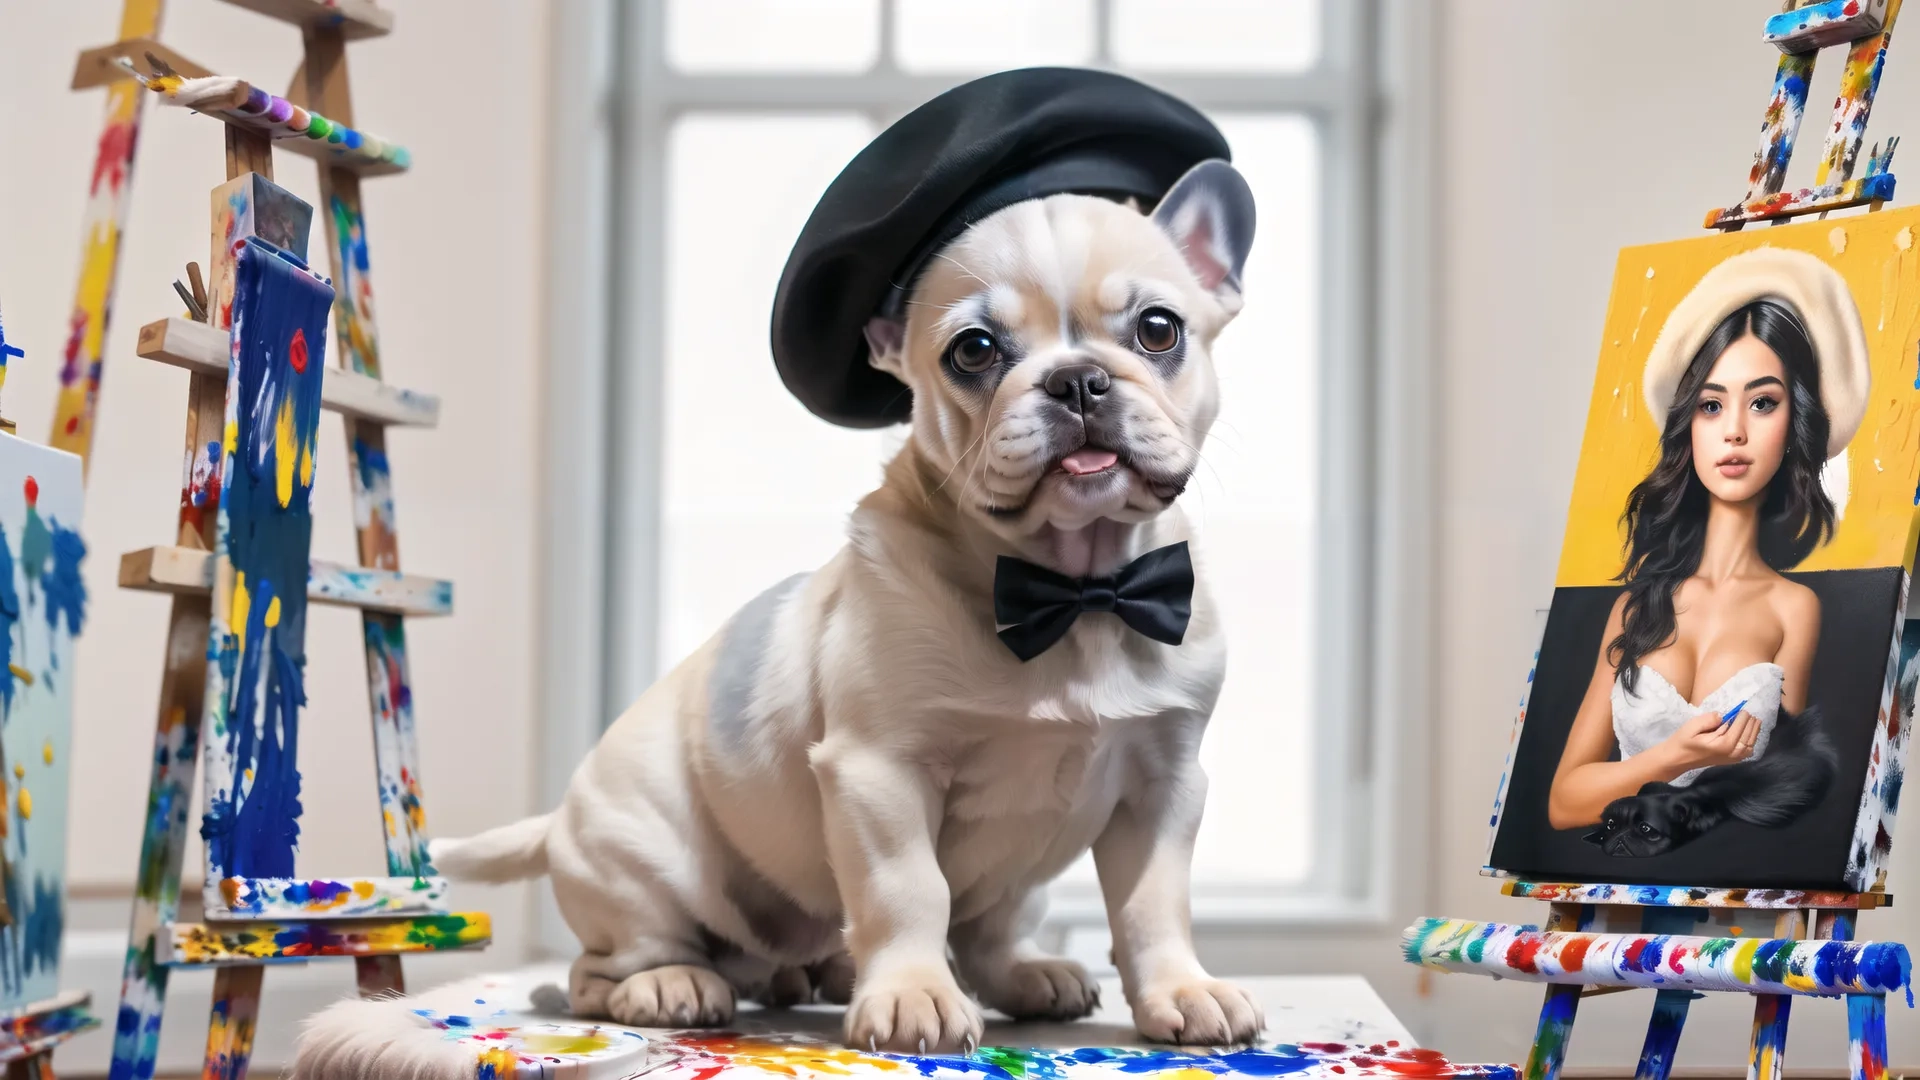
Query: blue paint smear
[
  {"x": 31, "y": 944},
  {"x": 66, "y": 589},
  {"x": 9, "y": 616},
  {"x": 253, "y": 833}
]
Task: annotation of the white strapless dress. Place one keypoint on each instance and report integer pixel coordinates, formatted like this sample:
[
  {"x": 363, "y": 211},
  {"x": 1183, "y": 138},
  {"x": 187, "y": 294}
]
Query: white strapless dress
[{"x": 1645, "y": 717}]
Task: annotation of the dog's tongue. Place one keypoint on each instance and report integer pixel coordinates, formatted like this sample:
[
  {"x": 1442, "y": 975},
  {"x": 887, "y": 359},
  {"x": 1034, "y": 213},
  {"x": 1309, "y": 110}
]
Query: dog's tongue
[{"x": 1086, "y": 461}]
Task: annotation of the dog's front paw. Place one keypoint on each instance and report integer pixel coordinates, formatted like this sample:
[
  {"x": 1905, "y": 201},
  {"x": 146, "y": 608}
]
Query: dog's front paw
[
  {"x": 679, "y": 995},
  {"x": 1197, "y": 1012},
  {"x": 1047, "y": 988},
  {"x": 913, "y": 1013}
]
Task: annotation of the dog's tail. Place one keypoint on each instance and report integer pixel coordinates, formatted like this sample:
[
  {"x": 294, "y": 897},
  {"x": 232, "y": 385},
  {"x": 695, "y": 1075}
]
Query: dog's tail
[
  {"x": 509, "y": 853},
  {"x": 1793, "y": 775}
]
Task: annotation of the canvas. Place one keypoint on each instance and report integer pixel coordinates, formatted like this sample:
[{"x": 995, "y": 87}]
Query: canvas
[
  {"x": 43, "y": 605},
  {"x": 1814, "y": 642}
]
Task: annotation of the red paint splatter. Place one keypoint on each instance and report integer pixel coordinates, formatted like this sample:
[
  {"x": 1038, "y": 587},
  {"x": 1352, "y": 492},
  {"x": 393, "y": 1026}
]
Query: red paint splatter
[
  {"x": 76, "y": 334},
  {"x": 1520, "y": 955},
  {"x": 1573, "y": 955},
  {"x": 1633, "y": 951},
  {"x": 115, "y": 154},
  {"x": 1852, "y": 9},
  {"x": 73, "y": 424},
  {"x": 297, "y": 350},
  {"x": 33, "y": 490}
]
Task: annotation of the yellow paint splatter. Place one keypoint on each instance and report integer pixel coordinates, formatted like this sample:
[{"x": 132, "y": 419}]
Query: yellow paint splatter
[
  {"x": 1837, "y": 240},
  {"x": 273, "y": 612},
  {"x": 231, "y": 438},
  {"x": 20, "y": 673},
  {"x": 26, "y": 804},
  {"x": 46, "y": 752},
  {"x": 241, "y": 602},
  {"x": 19, "y": 771},
  {"x": 306, "y": 465},
  {"x": 540, "y": 1042},
  {"x": 286, "y": 453}
]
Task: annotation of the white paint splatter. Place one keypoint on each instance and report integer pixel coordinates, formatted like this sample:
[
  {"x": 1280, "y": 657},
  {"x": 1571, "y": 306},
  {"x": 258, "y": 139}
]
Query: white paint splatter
[
  {"x": 1838, "y": 240},
  {"x": 1903, "y": 240}
]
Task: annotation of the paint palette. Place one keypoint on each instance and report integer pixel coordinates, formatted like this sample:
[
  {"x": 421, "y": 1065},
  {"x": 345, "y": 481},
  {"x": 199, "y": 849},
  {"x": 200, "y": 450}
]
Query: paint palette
[{"x": 1324, "y": 1029}]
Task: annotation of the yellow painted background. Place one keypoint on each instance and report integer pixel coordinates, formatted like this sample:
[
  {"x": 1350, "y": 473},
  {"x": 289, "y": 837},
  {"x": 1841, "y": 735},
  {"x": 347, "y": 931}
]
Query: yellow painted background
[{"x": 1876, "y": 255}]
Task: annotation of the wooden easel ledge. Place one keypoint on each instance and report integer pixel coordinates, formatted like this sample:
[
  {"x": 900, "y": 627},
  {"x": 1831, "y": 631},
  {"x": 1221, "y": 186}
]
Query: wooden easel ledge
[{"x": 201, "y": 349}]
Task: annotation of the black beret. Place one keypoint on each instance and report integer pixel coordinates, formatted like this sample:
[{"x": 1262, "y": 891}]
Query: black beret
[{"x": 975, "y": 149}]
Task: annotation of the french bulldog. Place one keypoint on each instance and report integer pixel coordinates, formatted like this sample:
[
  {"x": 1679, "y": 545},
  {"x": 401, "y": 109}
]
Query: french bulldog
[{"x": 855, "y": 776}]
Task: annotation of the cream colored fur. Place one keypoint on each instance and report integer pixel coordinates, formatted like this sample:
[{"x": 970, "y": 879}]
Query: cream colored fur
[{"x": 879, "y": 774}]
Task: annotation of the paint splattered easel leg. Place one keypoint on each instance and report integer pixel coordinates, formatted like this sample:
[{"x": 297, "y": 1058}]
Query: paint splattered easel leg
[
  {"x": 389, "y": 683},
  {"x": 236, "y": 1011},
  {"x": 1550, "y": 1038},
  {"x": 108, "y": 196},
  {"x": 1663, "y": 1034},
  {"x": 1867, "y": 1036},
  {"x": 1768, "y": 1060}
]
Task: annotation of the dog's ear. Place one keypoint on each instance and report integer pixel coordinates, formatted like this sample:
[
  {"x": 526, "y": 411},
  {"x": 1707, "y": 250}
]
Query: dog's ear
[
  {"x": 1209, "y": 215},
  {"x": 887, "y": 345}
]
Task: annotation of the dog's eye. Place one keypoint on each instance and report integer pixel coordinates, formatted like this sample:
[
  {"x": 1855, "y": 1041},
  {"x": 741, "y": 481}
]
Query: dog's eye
[
  {"x": 1648, "y": 831},
  {"x": 973, "y": 351},
  {"x": 1159, "y": 330}
]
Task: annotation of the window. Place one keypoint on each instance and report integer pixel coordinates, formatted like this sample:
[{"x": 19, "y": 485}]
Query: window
[{"x": 734, "y": 116}]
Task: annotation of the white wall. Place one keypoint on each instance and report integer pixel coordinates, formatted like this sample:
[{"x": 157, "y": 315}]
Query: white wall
[{"x": 456, "y": 245}]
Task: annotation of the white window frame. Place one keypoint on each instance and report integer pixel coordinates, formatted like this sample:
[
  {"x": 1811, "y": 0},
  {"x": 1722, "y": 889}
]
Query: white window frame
[{"x": 613, "y": 103}]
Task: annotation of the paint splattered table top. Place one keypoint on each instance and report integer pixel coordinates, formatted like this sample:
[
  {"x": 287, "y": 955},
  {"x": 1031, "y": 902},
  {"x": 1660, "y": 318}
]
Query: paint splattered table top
[{"x": 1326, "y": 1027}]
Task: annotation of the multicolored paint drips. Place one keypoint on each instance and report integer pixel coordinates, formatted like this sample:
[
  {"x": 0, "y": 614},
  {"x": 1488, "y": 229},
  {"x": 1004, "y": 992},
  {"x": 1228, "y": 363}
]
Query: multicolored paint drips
[
  {"x": 1675, "y": 896},
  {"x": 1815, "y": 26},
  {"x": 245, "y": 105},
  {"x": 43, "y": 1025},
  {"x": 1672, "y": 961},
  {"x": 1513, "y": 743},
  {"x": 1859, "y": 81},
  {"x": 108, "y": 195},
  {"x": 1781, "y": 125},
  {"x": 1872, "y": 842},
  {"x": 321, "y": 898},
  {"x": 256, "y": 647},
  {"x": 255, "y": 942}
]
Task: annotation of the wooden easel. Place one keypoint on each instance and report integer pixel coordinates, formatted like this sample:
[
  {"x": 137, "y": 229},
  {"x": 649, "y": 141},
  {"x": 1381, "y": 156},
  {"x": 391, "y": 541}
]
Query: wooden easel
[
  {"x": 249, "y": 920},
  {"x": 1800, "y": 31}
]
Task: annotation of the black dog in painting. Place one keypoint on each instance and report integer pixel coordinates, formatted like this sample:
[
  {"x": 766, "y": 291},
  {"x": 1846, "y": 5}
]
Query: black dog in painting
[{"x": 1769, "y": 792}]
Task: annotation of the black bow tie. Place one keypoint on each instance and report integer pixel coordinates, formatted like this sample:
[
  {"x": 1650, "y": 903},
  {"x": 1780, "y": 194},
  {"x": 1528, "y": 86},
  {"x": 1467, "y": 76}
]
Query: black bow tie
[{"x": 1153, "y": 594}]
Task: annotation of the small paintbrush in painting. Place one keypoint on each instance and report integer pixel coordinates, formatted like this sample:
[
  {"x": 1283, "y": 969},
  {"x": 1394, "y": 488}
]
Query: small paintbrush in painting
[{"x": 1727, "y": 717}]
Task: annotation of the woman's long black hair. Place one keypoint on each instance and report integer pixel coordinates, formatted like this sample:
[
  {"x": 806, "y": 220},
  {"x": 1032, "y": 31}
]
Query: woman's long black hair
[{"x": 1666, "y": 516}]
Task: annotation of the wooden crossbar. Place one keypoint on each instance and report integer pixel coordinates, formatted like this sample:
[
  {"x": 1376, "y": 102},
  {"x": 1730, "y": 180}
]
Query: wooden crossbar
[
  {"x": 255, "y": 943},
  {"x": 187, "y": 571},
  {"x": 196, "y": 346}
]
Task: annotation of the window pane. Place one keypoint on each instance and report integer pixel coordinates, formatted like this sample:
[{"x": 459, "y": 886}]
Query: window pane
[
  {"x": 991, "y": 35},
  {"x": 773, "y": 35},
  {"x": 756, "y": 488},
  {"x": 1216, "y": 35},
  {"x": 1254, "y": 507}
]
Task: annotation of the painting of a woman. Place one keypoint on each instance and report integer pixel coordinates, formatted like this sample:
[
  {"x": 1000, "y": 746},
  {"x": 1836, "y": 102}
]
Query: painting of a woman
[{"x": 1758, "y": 379}]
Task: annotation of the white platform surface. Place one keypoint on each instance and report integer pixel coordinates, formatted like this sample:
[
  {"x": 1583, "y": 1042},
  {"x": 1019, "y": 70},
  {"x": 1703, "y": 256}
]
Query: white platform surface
[{"x": 1299, "y": 1009}]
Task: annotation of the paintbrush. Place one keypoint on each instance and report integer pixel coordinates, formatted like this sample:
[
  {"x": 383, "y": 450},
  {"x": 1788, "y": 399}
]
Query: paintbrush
[{"x": 1727, "y": 717}]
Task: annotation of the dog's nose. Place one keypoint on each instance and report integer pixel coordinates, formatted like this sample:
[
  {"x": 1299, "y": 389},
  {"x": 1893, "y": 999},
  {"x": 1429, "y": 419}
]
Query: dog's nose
[{"x": 1079, "y": 386}]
